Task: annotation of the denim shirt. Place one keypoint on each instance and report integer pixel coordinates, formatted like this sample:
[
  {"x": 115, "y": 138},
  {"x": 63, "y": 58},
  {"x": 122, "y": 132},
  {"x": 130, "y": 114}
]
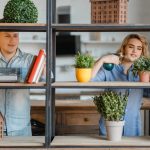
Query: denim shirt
[
  {"x": 15, "y": 103},
  {"x": 132, "y": 116}
]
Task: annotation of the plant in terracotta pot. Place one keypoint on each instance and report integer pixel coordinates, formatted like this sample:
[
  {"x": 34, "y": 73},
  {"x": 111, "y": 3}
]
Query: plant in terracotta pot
[
  {"x": 112, "y": 106},
  {"x": 142, "y": 67},
  {"x": 83, "y": 65}
]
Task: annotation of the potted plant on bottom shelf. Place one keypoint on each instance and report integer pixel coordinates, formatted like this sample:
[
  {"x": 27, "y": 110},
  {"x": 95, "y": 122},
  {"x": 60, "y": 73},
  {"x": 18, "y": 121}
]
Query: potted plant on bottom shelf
[
  {"x": 112, "y": 106},
  {"x": 83, "y": 65},
  {"x": 142, "y": 68}
]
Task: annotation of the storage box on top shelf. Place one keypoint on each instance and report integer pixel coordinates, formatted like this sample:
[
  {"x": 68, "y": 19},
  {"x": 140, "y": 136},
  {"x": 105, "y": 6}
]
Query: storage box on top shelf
[{"x": 109, "y": 11}]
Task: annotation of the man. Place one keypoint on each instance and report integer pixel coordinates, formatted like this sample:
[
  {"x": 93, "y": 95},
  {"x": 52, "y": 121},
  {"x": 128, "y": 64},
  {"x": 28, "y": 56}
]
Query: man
[{"x": 14, "y": 103}]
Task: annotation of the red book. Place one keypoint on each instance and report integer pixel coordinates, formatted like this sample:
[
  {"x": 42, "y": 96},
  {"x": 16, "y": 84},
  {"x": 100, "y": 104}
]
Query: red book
[{"x": 36, "y": 67}]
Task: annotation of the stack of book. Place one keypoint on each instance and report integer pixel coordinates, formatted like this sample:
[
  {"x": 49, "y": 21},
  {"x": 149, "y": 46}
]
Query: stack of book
[
  {"x": 37, "y": 67},
  {"x": 10, "y": 74}
]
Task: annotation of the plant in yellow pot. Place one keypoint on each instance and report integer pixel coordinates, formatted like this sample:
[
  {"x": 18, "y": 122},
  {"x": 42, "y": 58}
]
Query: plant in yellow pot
[
  {"x": 83, "y": 65},
  {"x": 142, "y": 68}
]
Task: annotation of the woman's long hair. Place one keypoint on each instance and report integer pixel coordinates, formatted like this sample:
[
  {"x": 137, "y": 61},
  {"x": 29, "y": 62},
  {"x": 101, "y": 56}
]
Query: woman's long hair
[{"x": 145, "y": 50}]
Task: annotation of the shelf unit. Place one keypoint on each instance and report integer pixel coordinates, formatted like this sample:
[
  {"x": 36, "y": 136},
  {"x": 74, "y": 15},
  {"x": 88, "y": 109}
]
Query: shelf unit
[
  {"x": 32, "y": 27},
  {"x": 92, "y": 141},
  {"x": 51, "y": 28}
]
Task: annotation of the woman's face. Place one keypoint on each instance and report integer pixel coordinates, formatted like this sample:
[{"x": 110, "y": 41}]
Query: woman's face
[{"x": 133, "y": 50}]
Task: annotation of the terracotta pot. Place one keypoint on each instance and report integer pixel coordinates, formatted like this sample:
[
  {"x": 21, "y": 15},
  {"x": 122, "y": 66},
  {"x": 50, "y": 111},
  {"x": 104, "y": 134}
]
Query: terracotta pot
[
  {"x": 83, "y": 74},
  {"x": 144, "y": 76}
]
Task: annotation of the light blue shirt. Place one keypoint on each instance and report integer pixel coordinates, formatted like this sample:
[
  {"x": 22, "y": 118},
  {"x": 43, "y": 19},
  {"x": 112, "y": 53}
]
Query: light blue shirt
[
  {"x": 132, "y": 117},
  {"x": 15, "y": 103}
]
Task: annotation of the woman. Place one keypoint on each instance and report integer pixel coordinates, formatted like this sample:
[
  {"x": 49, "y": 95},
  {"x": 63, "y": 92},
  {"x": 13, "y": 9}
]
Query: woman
[{"x": 133, "y": 46}]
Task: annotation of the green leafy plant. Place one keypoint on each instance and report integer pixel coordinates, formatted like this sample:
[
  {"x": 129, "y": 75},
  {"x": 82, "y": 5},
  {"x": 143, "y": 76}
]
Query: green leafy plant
[
  {"x": 20, "y": 11},
  {"x": 111, "y": 105},
  {"x": 141, "y": 64},
  {"x": 84, "y": 61}
]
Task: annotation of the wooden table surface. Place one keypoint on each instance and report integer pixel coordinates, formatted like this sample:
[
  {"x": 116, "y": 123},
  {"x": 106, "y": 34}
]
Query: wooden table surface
[{"x": 81, "y": 103}]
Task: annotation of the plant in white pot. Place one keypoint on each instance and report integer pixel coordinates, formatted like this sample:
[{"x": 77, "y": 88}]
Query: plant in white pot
[
  {"x": 83, "y": 65},
  {"x": 112, "y": 106},
  {"x": 142, "y": 68}
]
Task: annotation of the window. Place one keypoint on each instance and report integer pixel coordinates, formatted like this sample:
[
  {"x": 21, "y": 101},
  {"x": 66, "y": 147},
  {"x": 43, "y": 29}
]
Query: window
[{"x": 63, "y": 16}]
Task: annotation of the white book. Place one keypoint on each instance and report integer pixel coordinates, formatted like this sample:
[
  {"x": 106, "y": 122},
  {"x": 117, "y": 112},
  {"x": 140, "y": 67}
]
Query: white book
[
  {"x": 38, "y": 68},
  {"x": 8, "y": 78},
  {"x": 40, "y": 71}
]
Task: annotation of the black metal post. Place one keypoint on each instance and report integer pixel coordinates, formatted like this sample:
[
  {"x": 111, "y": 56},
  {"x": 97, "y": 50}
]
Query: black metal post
[
  {"x": 48, "y": 133},
  {"x": 53, "y": 61}
]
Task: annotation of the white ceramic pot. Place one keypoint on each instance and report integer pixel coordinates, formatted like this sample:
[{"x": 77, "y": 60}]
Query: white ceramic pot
[{"x": 114, "y": 130}]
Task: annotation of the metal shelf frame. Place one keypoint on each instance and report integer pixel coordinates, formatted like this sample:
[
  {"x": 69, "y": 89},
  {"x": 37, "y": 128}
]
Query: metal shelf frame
[
  {"x": 100, "y": 27},
  {"x": 84, "y": 28},
  {"x": 23, "y": 27},
  {"x": 51, "y": 28},
  {"x": 29, "y": 27}
]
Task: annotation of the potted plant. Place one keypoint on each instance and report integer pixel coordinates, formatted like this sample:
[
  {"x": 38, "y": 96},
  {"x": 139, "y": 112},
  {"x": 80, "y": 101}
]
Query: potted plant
[
  {"x": 20, "y": 11},
  {"x": 142, "y": 67},
  {"x": 83, "y": 65},
  {"x": 112, "y": 106}
]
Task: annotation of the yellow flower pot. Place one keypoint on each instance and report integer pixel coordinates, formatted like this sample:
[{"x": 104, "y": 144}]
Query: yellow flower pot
[{"x": 83, "y": 74}]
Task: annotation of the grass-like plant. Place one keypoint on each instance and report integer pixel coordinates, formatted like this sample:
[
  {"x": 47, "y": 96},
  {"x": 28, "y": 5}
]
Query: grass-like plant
[
  {"x": 111, "y": 105},
  {"x": 141, "y": 64},
  {"x": 20, "y": 11},
  {"x": 84, "y": 61}
]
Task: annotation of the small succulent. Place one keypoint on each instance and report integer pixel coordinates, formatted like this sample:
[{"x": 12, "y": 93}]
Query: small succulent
[
  {"x": 20, "y": 11},
  {"x": 111, "y": 105},
  {"x": 84, "y": 61},
  {"x": 141, "y": 64}
]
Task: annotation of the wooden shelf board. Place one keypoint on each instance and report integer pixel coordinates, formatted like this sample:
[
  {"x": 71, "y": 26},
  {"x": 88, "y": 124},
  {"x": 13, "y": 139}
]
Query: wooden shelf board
[
  {"x": 115, "y": 84},
  {"x": 22, "y": 85},
  {"x": 32, "y": 27},
  {"x": 22, "y": 24},
  {"x": 101, "y": 27},
  {"x": 96, "y": 140},
  {"x": 20, "y": 141}
]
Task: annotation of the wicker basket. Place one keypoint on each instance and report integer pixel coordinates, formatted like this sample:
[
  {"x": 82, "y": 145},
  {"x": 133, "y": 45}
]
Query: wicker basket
[
  {"x": 109, "y": 11},
  {"x": 1, "y": 126}
]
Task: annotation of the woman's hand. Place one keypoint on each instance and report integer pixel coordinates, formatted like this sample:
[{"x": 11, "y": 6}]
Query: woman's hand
[{"x": 105, "y": 59}]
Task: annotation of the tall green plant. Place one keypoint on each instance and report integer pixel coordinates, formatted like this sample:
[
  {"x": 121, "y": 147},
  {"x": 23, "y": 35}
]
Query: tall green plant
[
  {"x": 111, "y": 105},
  {"x": 84, "y": 61},
  {"x": 141, "y": 64}
]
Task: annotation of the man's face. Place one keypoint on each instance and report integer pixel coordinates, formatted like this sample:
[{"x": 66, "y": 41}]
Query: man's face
[
  {"x": 9, "y": 42},
  {"x": 133, "y": 50}
]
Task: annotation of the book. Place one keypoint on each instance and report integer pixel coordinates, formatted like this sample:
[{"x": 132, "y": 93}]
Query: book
[
  {"x": 30, "y": 69},
  {"x": 40, "y": 71},
  {"x": 9, "y": 78},
  {"x": 36, "y": 67},
  {"x": 10, "y": 74}
]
